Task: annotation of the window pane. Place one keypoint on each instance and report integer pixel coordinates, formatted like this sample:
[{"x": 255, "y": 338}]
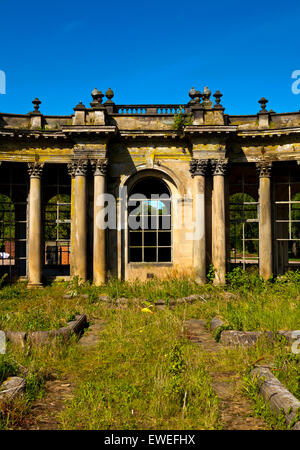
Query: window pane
[
  {"x": 150, "y": 254},
  {"x": 295, "y": 230},
  {"x": 135, "y": 238},
  {"x": 150, "y": 238},
  {"x": 135, "y": 254},
  {"x": 134, "y": 222},
  {"x": 251, "y": 230},
  {"x": 165, "y": 223},
  {"x": 164, "y": 238},
  {"x": 164, "y": 255}
]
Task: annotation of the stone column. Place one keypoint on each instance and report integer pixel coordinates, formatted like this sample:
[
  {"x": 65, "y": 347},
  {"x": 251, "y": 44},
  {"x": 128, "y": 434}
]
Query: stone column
[
  {"x": 99, "y": 250},
  {"x": 35, "y": 226},
  {"x": 198, "y": 169},
  {"x": 265, "y": 220},
  {"x": 78, "y": 170},
  {"x": 219, "y": 168}
]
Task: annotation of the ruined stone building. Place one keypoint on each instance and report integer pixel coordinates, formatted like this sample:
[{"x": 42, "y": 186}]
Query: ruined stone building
[{"x": 227, "y": 189}]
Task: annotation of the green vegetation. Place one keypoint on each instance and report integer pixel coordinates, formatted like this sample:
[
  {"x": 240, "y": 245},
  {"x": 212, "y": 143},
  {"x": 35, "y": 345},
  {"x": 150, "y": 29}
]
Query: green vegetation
[
  {"x": 243, "y": 224},
  {"x": 57, "y": 212},
  {"x": 7, "y": 220},
  {"x": 142, "y": 376},
  {"x": 143, "y": 373},
  {"x": 181, "y": 120}
]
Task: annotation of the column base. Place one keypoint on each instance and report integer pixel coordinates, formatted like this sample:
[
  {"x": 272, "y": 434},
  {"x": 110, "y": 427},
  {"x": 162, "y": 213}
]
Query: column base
[
  {"x": 200, "y": 280},
  {"x": 34, "y": 285}
]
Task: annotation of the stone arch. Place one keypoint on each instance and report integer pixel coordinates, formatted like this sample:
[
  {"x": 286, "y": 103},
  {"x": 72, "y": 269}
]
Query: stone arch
[
  {"x": 167, "y": 175},
  {"x": 176, "y": 190}
]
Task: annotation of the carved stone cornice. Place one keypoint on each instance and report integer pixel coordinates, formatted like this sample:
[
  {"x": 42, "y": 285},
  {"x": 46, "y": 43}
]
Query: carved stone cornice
[
  {"x": 264, "y": 169},
  {"x": 35, "y": 169},
  {"x": 78, "y": 167},
  {"x": 198, "y": 167},
  {"x": 219, "y": 166},
  {"x": 99, "y": 167}
]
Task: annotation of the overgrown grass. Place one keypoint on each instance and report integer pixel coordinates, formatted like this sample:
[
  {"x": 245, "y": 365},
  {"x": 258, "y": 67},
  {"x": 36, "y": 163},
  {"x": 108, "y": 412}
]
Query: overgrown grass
[
  {"x": 143, "y": 374},
  {"x": 245, "y": 303}
]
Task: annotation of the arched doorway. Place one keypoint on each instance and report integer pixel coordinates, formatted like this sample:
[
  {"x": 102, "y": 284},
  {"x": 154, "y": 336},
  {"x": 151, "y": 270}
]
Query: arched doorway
[{"x": 149, "y": 222}]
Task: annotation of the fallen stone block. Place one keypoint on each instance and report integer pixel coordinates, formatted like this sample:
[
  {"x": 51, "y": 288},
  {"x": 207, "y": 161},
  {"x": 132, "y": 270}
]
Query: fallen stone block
[
  {"x": 11, "y": 388},
  {"x": 77, "y": 325},
  {"x": 105, "y": 298},
  {"x": 216, "y": 323},
  {"x": 278, "y": 397},
  {"x": 16, "y": 337},
  {"x": 290, "y": 336},
  {"x": 243, "y": 338}
]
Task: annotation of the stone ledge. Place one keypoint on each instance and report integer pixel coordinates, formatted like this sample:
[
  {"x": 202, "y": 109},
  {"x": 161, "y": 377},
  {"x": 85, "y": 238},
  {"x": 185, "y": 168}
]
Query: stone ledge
[
  {"x": 290, "y": 336},
  {"x": 244, "y": 338},
  {"x": 11, "y": 388},
  {"x": 44, "y": 337},
  {"x": 247, "y": 338},
  {"x": 172, "y": 301},
  {"x": 277, "y": 395}
]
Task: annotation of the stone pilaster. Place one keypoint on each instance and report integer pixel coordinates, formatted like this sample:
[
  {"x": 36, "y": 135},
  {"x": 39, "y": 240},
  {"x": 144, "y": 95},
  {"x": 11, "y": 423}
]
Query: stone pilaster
[
  {"x": 35, "y": 226},
  {"x": 78, "y": 170},
  {"x": 198, "y": 169},
  {"x": 265, "y": 220},
  {"x": 219, "y": 170},
  {"x": 99, "y": 252}
]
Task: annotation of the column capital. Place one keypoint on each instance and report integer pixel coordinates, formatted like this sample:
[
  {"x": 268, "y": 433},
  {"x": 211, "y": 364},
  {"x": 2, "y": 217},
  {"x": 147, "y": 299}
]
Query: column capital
[
  {"x": 35, "y": 169},
  {"x": 198, "y": 167},
  {"x": 264, "y": 168},
  {"x": 78, "y": 167},
  {"x": 99, "y": 166},
  {"x": 219, "y": 166}
]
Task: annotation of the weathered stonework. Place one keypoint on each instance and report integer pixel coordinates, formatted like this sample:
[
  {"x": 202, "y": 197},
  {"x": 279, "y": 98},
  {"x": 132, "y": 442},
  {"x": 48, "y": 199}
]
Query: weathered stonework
[{"x": 109, "y": 147}]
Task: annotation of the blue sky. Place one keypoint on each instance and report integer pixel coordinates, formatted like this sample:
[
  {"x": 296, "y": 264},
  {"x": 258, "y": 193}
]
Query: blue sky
[{"x": 149, "y": 52}]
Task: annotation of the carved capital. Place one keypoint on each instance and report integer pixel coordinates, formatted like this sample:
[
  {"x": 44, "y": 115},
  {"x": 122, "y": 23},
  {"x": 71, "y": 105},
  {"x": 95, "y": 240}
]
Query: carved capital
[
  {"x": 35, "y": 169},
  {"x": 219, "y": 166},
  {"x": 264, "y": 169},
  {"x": 78, "y": 167},
  {"x": 198, "y": 167},
  {"x": 99, "y": 167}
]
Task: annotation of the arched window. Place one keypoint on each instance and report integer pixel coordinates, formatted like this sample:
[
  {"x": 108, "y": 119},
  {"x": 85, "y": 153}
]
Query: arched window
[
  {"x": 57, "y": 223},
  {"x": 149, "y": 222}
]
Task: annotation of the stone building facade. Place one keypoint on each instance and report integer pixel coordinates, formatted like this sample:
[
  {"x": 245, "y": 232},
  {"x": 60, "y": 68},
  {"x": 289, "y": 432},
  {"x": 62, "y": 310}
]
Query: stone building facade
[{"x": 219, "y": 190}]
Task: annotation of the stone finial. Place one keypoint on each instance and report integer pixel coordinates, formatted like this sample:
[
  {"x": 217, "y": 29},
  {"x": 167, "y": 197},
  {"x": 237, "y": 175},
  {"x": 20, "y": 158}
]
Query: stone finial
[
  {"x": 79, "y": 107},
  {"x": 79, "y": 116},
  {"x": 97, "y": 98},
  {"x": 219, "y": 166},
  {"x": 36, "y": 103},
  {"x": 207, "y": 103},
  {"x": 198, "y": 97},
  {"x": 218, "y": 96},
  {"x": 192, "y": 94},
  {"x": 109, "y": 95},
  {"x": 198, "y": 167},
  {"x": 263, "y": 102}
]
